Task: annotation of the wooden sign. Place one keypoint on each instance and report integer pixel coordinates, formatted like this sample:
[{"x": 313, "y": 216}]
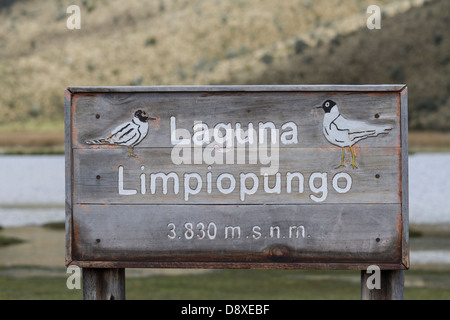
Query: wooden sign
[{"x": 237, "y": 177}]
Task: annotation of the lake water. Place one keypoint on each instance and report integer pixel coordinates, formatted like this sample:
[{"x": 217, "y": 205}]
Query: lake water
[{"x": 32, "y": 189}]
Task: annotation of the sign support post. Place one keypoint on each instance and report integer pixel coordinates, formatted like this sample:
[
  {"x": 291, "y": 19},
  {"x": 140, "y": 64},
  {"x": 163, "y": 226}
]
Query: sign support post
[
  {"x": 391, "y": 286},
  {"x": 104, "y": 283}
]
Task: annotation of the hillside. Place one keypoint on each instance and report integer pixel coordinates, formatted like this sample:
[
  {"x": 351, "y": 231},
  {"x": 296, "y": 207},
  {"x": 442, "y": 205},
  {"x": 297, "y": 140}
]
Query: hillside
[
  {"x": 411, "y": 48},
  {"x": 174, "y": 42}
]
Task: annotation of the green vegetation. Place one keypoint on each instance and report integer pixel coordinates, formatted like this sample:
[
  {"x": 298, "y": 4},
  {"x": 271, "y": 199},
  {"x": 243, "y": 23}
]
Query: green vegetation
[
  {"x": 249, "y": 284},
  {"x": 5, "y": 241},
  {"x": 55, "y": 225},
  {"x": 234, "y": 284},
  {"x": 37, "y": 288},
  {"x": 414, "y": 233}
]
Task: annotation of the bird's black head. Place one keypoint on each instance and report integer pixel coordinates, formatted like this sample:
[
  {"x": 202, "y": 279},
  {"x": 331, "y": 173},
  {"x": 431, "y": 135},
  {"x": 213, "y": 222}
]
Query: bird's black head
[
  {"x": 327, "y": 105},
  {"x": 143, "y": 116}
]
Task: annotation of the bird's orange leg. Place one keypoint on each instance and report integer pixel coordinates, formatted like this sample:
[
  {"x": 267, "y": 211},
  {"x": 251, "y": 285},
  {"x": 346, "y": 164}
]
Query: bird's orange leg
[
  {"x": 353, "y": 158},
  {"x": 342, "y": 159}
]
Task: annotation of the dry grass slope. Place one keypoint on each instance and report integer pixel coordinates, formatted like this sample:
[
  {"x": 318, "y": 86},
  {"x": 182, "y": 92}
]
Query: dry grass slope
[{"x": 213, "y": 42}]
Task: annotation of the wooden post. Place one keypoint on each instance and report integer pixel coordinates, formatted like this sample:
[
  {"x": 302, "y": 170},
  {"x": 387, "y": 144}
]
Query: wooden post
[
  {"x": 103, "y": 284},
  {"x": 391, "y": 285}
]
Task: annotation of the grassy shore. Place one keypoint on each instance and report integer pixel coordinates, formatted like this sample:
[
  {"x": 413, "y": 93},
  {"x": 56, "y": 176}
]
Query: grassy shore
[
  {"x": 230, "y": 285},
  {"x": 32, "y": 141},
  {"x": 424, "y": 141}
]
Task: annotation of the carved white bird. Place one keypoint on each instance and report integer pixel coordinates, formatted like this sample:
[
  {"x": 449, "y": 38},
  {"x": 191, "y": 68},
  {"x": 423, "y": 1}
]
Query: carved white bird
[
  {"x": 127, "y": 134},
  {"x": 345, "y": 133}
]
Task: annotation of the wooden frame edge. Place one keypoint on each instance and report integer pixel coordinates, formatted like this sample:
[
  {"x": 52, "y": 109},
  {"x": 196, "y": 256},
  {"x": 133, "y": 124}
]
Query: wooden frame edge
[
  {"x": 68, "y": 174},
  {"x": 238, "y": 265},
  {"x": 401, "y": 89},
  {"x": 405, "y": 192}
]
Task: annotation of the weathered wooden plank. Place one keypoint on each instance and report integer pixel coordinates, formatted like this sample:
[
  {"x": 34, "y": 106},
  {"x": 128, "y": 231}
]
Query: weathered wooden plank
[
  {"x": 96, "y": 115},
  {"x": 98, "y": 174},
  {"x": 103, "y": 284},
  {"x": 229, "y": 233}
]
